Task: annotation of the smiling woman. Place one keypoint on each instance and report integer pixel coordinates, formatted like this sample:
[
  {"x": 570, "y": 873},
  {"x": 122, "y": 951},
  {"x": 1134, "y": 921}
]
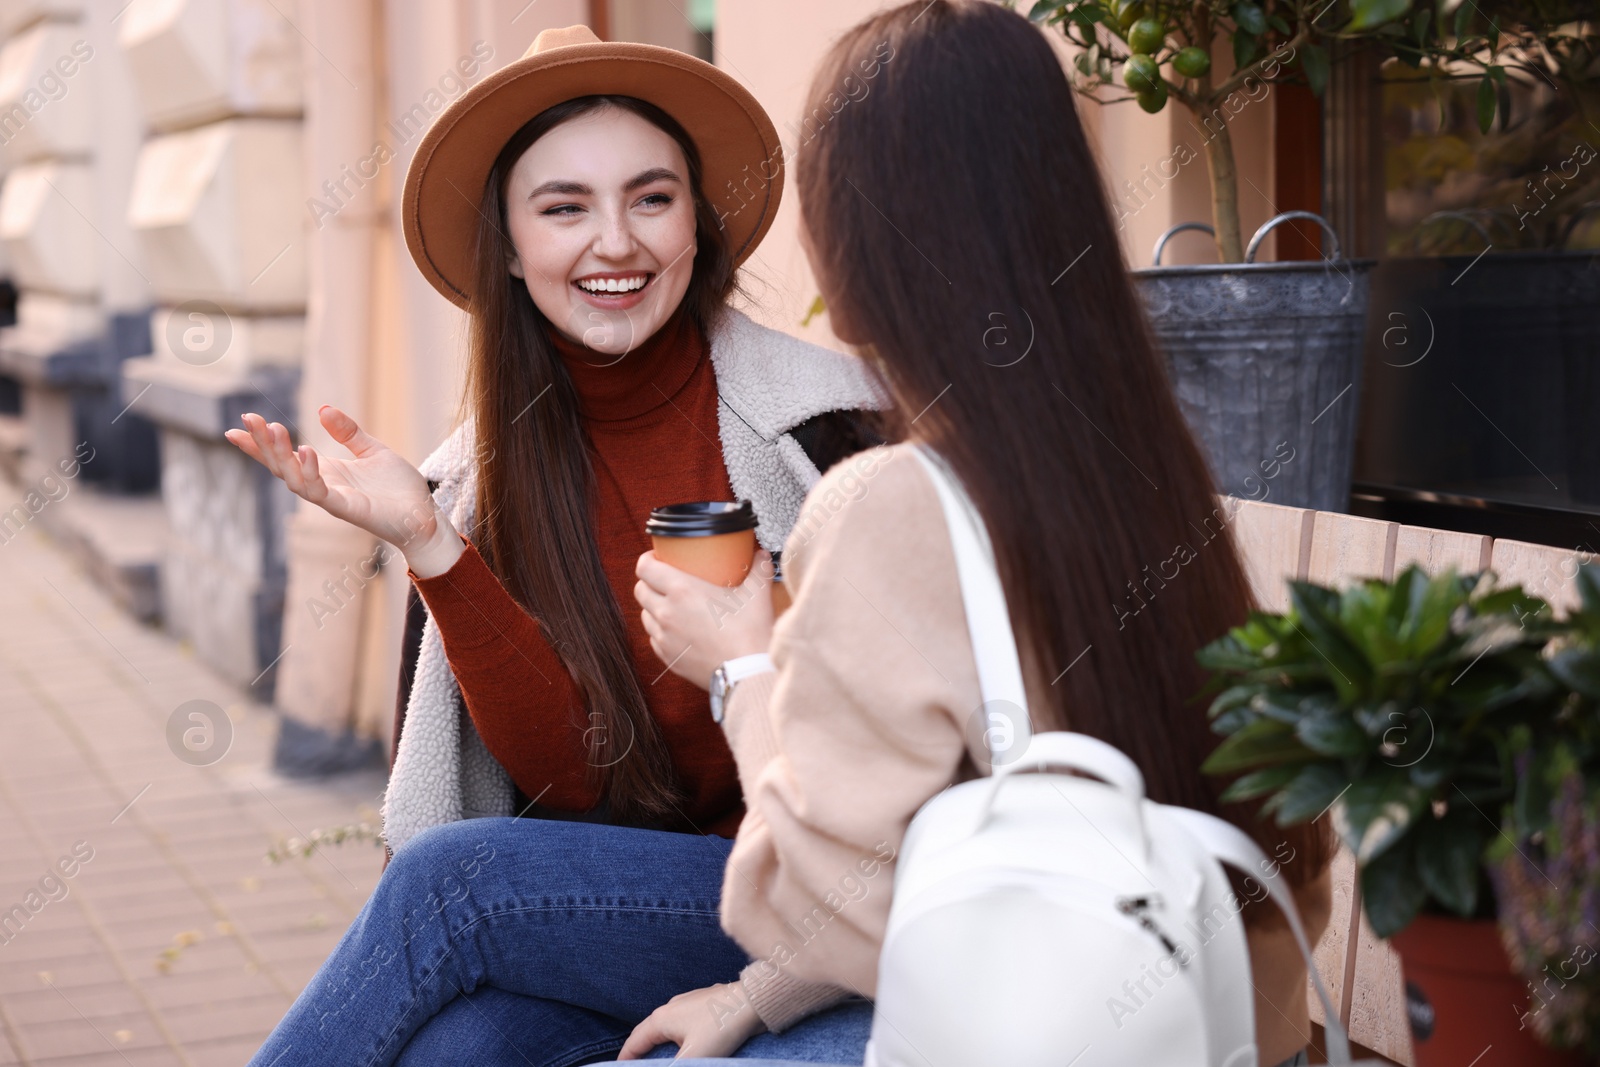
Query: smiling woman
[
  {"x": 602, "y": 241},
  {"x": 580, "y": 205}
]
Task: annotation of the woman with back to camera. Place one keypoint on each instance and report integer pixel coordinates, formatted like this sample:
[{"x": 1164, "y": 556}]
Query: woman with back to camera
[
  {"x": 962, "y": 240},
  {"x": 588, "y": 205}
]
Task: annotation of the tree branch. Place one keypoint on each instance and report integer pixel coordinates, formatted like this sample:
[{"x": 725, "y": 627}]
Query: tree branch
[{"x": 1223, "y": 91}]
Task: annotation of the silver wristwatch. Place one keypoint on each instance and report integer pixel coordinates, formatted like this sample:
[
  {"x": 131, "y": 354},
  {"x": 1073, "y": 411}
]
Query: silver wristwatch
[{"x": 730, "y": 674}]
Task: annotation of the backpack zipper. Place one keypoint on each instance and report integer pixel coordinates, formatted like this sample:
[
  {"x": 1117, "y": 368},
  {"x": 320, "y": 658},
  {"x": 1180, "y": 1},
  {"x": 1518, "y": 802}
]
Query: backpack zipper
[{"x": 1138, "y": 908}]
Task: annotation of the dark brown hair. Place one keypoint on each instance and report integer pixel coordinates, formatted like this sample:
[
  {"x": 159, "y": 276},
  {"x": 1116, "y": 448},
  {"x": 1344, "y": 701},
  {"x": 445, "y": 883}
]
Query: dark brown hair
[
  {"x": 535, "y": 483},
  {"x": 961, "y": 233}
]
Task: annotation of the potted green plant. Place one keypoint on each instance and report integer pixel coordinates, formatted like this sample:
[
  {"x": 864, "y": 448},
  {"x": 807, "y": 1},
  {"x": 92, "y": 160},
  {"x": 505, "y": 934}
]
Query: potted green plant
[
  {"x": 1546, "y": 867},
  {"x": 1400, "y": 710},
  {"x": 1260, "y": 354}
]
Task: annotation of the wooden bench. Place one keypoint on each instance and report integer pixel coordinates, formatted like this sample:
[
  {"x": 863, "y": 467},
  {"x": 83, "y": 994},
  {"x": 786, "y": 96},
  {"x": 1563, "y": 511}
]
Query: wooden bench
[{"x": 1279, "y": 543}]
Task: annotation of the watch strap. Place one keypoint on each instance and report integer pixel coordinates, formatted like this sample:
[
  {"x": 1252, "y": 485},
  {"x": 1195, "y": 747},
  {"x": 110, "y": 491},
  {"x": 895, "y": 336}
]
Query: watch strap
[{"x": 739, "y": 668}]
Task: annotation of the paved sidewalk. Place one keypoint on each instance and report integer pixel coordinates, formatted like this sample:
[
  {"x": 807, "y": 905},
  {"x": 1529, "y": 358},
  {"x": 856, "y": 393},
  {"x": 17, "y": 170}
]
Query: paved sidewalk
[{"x": 140, "y": 923}]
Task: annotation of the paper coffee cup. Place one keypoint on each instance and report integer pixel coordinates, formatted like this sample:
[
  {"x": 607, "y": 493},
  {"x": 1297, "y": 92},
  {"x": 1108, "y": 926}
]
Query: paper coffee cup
[{"x": 712, "y": 539}]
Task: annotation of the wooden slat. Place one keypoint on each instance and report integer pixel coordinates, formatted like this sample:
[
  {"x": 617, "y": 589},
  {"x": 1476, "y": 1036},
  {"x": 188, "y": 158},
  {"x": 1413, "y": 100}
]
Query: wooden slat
[
  {"x": 1378, "y": 998},
  {"x": 1274, "y": 543},
  {"x": 1541, "y": 570},
  {"x": 1436, "y": 550},
  {"x": 1335, "y": 963},
  {"x": 1345, "y": 548}
]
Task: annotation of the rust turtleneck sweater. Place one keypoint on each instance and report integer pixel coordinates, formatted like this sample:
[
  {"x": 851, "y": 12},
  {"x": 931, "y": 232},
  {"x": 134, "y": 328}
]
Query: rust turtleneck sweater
[{"x": 651, "y": 422}]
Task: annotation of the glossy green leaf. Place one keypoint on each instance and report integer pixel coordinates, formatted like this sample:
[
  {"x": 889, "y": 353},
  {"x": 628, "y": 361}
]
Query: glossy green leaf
[
  {"x": 1314, "y": 61},
  {"x": 1227, "y": 654},
  {"x": 1310, "y": 794},
  {"x": 1449, "y": 857},
  {"x": 1370, "y": 13},
  {"x": 1589, "y": 588},
  {"x": 1578, "y": 668},
  {"x": 1535, "y": 790},
  {"x": 1260, "y": 783},
  {"x": 1250, "y": 18},
  {"x": 1391, "y": 891},
  {"x": 1263, "y": 743},
  {"x": 1318, "y": 610},
  {"x": 1245, "y": 48},
  {"x": 1332, "y": 732},
  {"x": 1488, "y": 99},
  {"x": 1044, "y": 9},
  {"x": 1378, "y": 811}
]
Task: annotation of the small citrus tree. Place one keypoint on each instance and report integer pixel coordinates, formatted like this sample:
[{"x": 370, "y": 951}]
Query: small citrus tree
[{"x": 1161, "y": 50}]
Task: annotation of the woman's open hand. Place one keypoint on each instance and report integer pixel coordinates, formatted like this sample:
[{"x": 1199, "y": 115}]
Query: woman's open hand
[
  {"x": 695, "y": 626},
  {"x": 704, "y": 1024},
  {"x": 376, "y": 489}
]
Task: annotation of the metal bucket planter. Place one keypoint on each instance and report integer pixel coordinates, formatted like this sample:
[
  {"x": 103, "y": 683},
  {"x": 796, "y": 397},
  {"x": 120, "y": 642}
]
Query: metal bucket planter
[{"x": 1265, "y": 359}]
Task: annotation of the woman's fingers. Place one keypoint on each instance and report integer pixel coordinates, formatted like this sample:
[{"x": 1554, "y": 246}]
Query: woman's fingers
[
  {"x": 268, "y": 444},
  {"x": 262, "y": 439},
  {"x": 288, "y": 461},
  {"x": 245, "y": 443},
  {"x": 312, "y": 487},
  {"x": 652, "y": 626},
  {"x": 652, "y": 602},
  {"x": 344, "y": 430},
  {"x": 646, "y": 1036}
]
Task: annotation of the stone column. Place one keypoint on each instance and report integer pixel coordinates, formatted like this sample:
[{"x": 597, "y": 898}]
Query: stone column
[
  {"x": 66, "y": 138},
  {"x": 215, "y": 203},
  {"x": 331, "y": 563}
]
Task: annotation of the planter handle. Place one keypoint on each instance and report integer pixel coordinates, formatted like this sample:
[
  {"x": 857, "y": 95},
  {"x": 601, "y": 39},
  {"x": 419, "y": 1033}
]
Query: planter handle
[
  {"x": 1572, "y": 223},
  {"x": 1278, "y": 220},
  {"x": 1161, "y": 242}
]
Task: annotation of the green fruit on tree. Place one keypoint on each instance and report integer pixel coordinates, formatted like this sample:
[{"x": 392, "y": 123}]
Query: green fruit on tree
[
  {"x": 1141, "y": 74},
  {"x": 1146, "y": 36},
  {"x": 1129, "y": 13},
  {"x": 1192, "y": 62},
  {"x": 1153, "y": 101}
]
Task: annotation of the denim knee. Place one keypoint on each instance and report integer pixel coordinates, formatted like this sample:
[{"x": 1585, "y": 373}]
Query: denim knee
[{"x": 443, "y": 858}]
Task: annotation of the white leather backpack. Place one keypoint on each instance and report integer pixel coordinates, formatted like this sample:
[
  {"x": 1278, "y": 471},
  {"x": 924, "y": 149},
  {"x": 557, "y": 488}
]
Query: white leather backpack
[{"x": 1059, "y": 918}]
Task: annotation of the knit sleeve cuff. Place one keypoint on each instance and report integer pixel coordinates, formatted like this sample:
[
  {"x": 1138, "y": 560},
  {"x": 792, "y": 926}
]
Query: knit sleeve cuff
[
  {"x": 747, "y": 721},
  {"x": 780, "y": 999},
  {"x": 463, "y": 599}
]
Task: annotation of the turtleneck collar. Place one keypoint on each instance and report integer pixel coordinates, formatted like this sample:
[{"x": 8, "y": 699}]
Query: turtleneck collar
[{"x": 615, "y": 388}]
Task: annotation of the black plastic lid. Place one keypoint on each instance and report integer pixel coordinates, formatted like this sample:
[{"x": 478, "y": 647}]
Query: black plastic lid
[{"x": 704, "y": 518}]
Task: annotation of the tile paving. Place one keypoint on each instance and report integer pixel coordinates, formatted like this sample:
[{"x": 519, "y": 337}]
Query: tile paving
[{"x": 174, "y": 941}]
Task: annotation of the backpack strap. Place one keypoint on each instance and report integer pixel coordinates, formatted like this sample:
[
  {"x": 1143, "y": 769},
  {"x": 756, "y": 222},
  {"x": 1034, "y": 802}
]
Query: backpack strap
[
  {"x": 988, "y": 622},
  {"x": 1233, "y": 847}
]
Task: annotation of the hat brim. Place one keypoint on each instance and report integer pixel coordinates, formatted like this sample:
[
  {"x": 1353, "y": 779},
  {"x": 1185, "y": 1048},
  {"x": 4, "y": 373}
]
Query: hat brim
[{"x": 741, "y": 156}]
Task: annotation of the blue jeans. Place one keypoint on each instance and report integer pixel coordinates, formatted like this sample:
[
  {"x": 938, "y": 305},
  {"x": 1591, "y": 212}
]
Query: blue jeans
[{"x": 534, "y": 943}]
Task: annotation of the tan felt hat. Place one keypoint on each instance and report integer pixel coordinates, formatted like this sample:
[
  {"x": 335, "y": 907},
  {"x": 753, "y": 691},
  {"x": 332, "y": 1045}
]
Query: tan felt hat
[{"x": 741, "y": 156}]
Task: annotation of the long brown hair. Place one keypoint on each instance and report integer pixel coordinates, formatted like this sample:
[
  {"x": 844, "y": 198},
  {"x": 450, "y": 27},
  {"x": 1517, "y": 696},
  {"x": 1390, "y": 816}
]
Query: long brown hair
[
  {"x": 535, "y": 526},
  {"x": 962, "y": 234}
]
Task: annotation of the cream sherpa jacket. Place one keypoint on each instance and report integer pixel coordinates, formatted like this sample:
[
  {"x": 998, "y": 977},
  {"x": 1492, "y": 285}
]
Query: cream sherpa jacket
[{"x": 768, "y": 383}]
